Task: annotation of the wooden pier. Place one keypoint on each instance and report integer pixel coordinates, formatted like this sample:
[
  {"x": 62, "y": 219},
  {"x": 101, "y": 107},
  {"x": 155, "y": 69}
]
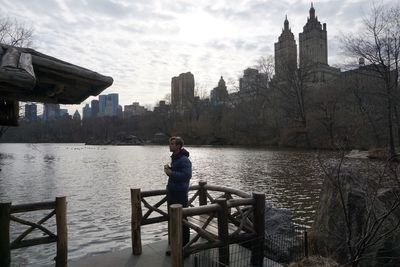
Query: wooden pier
[
  {"x": 152, "y": 255},
  {"x": 223, "y": 218}
]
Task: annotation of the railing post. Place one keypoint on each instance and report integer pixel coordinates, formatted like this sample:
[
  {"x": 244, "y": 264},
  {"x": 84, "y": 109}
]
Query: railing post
[
  {"x": 202, "y": 193},
  {"x": 5, "y": 253},
  {"x": 136, "y": 213},
  {"x": 62, "y": 232},
  {"x": 175, "y": 219},
  {"x": 257, "y": 253},
  {"x": 223, "y": 234},
  {"x": 305, "y": 244}
]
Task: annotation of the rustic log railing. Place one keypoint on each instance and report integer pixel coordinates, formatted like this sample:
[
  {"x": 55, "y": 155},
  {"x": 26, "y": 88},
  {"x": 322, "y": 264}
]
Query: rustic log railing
[
  {"x": 239, "y": 216},
  {"x": 57, "y": 207}
]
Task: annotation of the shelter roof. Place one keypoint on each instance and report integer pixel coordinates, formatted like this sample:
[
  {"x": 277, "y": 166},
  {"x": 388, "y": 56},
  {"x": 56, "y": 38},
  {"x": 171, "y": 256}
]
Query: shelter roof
[{"x": 27, "y": 75}]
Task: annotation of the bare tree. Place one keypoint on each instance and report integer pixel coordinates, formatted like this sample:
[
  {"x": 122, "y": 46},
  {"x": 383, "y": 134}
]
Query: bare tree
[
  {"x": 379, "y": 44},
  {"x": 250, "y": 104},
  {"x": 266, "y": 66},
  {"x": 292, "y": 88},
  {"x": 359, "y": 215},
  {"x": 201, "y": 91},
  {"x": 15, "y": 33}
]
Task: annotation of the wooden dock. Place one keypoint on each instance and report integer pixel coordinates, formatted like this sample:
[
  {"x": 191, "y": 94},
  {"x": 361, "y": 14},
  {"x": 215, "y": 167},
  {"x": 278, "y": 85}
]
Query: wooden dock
[
  {"x": 223, "y": 219},
  {"x": 152, "y": 255}
]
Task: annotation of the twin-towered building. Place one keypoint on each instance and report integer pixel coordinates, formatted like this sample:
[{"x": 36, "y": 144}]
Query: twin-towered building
[
  {"x": 313, "y": 51},
  {"x": 312, "y": 56}
]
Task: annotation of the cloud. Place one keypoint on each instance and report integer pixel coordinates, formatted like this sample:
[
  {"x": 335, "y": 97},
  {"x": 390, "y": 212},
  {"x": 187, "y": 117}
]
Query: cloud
[{"x": 142, "y": 44}]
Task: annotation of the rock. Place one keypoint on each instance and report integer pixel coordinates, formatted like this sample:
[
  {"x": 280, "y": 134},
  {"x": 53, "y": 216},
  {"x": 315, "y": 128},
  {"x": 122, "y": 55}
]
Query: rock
[
  {"x": 315, "y": 261},
  {"x": 378, "y": 153},
  {"x": 281, "y": 239},
  {"x": 329, "y": 235},
  {"x": 357, "y": 154}
]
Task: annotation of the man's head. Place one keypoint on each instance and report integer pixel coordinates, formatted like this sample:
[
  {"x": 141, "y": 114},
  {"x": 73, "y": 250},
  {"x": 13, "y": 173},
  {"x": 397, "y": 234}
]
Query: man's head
[{"x": 175, "y": 144}]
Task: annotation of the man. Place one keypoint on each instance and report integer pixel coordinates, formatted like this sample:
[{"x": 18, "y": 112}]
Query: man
[{"x": 179, "y": 175}]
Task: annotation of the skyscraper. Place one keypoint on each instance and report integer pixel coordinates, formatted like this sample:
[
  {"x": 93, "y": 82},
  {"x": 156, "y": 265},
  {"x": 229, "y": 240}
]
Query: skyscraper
[
  {"x": 113, "y": 98},
  {"x": 252, "y": 81},
  {"x": 31, "y": 112},
  {"x": 86, "y": 112},
  {"x": 182, "y": 92},
  {"x": 219, "y": 94},
  {"x": 313, "y": 41},
  {"x": 102, "y": 104},
  {"x": 76, "y": 116},
  {"x": 51, "y": 111},
  {"x": 95, "y": 108},
  {"x": 108, "y": 105},
  {"x": 285, "y": 52}
]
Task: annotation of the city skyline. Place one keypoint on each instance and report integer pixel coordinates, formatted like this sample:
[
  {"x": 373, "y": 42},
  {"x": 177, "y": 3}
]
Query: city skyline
[{"x": 142, "y": 45}]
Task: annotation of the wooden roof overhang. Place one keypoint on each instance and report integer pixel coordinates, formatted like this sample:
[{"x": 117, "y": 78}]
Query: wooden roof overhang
[{"x": 27, "y": 75}]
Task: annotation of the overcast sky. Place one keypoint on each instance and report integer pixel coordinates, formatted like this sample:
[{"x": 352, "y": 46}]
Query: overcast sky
[{"x": 142, "y": 44}]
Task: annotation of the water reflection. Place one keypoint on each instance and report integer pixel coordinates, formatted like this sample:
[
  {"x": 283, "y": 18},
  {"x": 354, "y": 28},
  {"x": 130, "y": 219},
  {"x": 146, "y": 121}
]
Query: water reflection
[{"x": 96, "y": 181}]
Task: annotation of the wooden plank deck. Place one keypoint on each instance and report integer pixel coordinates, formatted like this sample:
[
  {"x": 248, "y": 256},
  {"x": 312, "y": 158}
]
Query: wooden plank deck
[{"x": 154, "y": 256}]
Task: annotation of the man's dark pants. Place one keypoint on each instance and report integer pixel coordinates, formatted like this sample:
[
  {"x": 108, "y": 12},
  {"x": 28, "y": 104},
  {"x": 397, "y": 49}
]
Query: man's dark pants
[{"x": 179, "y": 197}]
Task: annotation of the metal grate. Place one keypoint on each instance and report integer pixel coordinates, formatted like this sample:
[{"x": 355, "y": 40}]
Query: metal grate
[
  {"x": 279, "y": 250},
  {"x": 286, "y": 248}
]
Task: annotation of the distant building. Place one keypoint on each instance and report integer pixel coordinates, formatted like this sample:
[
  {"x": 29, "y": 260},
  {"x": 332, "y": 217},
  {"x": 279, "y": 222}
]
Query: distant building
[
  {"x": 285, "y": 52},
  {"x": 182, "y": 92},
  {"x": 134, "y": 110},
  {"x": 64, "y": 113},
  {"x": 113, "y": 98},
  {"x": 76, "y": 116},
  {"x": 313, "y": 41},
  {"x": 86, "y": 112},
  {"x": 313, "y": 52},
  {"x": 367, "y": 79},
  {"x": 162, "y": 107},
  {"x": 102, "y": 104},
  {"x": 219, "y": 94},
  {"x": 51, "y": 111},
  {"x": 31, "y": 112},
  {"x": 95, "y": 108},
  {"x": 108, "y": 105},
  {"x": 252, "y": 80},
  {"x": 119, "y": 111}
]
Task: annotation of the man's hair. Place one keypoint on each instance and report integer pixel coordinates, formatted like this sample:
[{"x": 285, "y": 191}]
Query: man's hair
[{"x": 178, "y": 140}]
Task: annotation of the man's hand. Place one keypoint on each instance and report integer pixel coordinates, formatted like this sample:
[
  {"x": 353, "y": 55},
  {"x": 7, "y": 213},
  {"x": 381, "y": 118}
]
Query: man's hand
[{"x": 167, "y": 170}]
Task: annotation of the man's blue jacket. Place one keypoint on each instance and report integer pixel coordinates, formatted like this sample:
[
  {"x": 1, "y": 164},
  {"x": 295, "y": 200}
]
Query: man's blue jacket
[{"x": 181, "y": 168}]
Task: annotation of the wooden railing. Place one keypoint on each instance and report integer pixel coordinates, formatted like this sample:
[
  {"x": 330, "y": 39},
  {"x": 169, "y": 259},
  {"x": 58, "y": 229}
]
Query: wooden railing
[
  {"x": 232, "y": 216},
  {"x": 57, "y": 207}
]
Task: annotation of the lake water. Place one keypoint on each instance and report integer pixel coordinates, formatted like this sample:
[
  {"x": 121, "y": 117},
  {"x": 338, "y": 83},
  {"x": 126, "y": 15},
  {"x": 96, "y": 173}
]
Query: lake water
[{"x": 96, "y": 181}]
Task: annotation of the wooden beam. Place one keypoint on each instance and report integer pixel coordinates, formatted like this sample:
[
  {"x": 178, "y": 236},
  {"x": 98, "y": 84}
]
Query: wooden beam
[
  {"x": 32, "y": 225},
  {"x": 28, "y": 231},
  {"x": 154, "y": 220},
  {"x": 35, "y": 242},
  {"x": 223, "y": 233},
  {"x": 33, "y": 206},
  {"x": 176, "y": 234},
  {"x": 5, "y": 254},
  {"x": 9, "y": 112},
  {"x": 62, "y": 232},
  {"x": 202, "y": 193},
  {"x": 257, "y": 255},
  {"x": 136, "y": 220}
]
